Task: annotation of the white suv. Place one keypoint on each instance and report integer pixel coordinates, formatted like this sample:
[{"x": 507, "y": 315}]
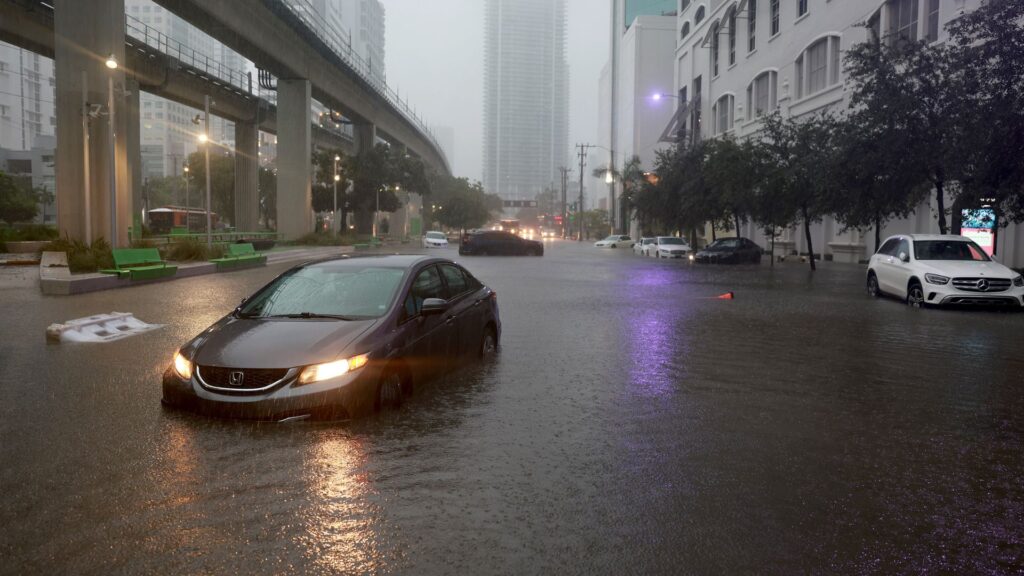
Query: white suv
[{"x": 941, "y": 269}]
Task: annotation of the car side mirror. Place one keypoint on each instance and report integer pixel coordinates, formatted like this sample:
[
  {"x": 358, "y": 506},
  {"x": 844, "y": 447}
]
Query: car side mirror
[
  {"x": 432, "y": 306},
  {"x": 904, "y": 257}
]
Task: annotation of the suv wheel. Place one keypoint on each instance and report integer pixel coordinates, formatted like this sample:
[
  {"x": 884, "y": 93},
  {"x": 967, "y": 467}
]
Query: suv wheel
[
  {"x": 873, "y": 289},
  {"x": 915, "y": 295}
]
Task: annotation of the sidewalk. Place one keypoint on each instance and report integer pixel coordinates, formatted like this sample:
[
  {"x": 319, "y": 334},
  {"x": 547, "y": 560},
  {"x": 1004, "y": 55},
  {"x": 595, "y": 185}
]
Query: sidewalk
[{"x": 58, "y": 282}]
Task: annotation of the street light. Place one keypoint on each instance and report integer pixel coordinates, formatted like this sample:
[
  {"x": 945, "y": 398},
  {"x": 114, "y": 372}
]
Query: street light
[
  {"x": 187, "y": 227},
  {"x": 111, "y": 62},
  {"x": 337, "y": 178},
  {"x": 204, "y": 139},
  {"x": 658, "y": 96}
]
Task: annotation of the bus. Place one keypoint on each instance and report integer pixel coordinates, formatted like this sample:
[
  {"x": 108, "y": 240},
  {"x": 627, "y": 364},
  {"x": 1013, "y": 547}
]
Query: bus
[{"x": 163, "y": 220}]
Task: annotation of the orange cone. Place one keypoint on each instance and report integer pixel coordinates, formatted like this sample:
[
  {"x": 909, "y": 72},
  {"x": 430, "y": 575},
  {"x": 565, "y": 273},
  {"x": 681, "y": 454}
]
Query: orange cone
[{"x": 727, "y": 296}]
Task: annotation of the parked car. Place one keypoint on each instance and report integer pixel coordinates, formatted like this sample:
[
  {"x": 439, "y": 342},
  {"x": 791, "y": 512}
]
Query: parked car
[
  {"x": 339, "y": 338},
  {"x": 435, "y": 240},
  {"x": 614, "y": 241},
  {"x": 941, "y": 270},
  {"x": 730, "y": 251},
  {"x": 641, "y": 246},
  {"x": 498, "y": 243},
  {"x": 669, "y": 247}
]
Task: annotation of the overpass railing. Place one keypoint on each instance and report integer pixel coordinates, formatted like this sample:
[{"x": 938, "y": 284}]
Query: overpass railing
[{"x": 341, "y": 44}]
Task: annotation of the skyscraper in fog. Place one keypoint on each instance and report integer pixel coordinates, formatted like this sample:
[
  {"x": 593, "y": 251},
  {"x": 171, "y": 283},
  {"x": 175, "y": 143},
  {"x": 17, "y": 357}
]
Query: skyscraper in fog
[{"x": 526, "y": 119}]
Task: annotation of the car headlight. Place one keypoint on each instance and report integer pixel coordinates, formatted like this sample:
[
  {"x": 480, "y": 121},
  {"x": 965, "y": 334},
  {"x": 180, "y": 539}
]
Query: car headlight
[
  {"x": 321, "y": 372},
  {"x": 1018, "y": 281},
  {"x": 182, "y": 366},
  {"x": 936, "y": 279}
]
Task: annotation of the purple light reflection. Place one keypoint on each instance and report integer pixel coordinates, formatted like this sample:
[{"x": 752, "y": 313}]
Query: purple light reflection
[{"x": 657, "y": 342}]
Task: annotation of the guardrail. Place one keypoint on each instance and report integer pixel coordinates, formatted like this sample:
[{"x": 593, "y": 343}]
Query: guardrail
[{"x": 341, "y": 45}]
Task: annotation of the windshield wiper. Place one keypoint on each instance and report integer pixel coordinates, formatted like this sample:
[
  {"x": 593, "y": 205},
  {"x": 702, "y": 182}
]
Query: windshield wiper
[{"x": 308, "y": 315}]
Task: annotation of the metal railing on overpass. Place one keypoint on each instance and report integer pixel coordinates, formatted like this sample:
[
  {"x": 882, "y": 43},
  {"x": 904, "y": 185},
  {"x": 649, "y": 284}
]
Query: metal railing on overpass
[{"x": 341, "y": 44}]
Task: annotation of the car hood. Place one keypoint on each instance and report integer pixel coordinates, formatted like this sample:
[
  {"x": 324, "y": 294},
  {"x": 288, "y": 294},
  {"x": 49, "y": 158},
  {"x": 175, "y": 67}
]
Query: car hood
[
  {"x": 275, "y": 343},
  {"x": 956, "y": 269}
]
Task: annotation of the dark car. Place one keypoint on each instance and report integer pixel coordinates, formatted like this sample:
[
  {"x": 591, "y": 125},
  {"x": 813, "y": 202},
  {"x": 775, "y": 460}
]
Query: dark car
[
  {"x": 498, "y": 243},
  {"x": 730, "y": 251},
  {"x": 337, "y": 338}
]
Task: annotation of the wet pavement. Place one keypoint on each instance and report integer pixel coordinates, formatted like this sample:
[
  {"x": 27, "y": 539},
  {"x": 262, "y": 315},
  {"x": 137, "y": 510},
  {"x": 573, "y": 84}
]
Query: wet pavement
[{"x": 632, "y": 423}]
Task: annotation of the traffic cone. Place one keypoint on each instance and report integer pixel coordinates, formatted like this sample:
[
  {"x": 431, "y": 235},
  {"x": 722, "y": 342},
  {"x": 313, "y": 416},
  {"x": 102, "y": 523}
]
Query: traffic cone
[{"x": 727, "y": 296}]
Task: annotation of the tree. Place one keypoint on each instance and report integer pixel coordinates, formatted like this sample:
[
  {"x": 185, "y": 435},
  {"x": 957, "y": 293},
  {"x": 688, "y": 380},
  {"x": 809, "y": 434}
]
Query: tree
[
  {"x": 17, "y": 201},
  {"x": 731, "y": 173},
  {"x": 987, "y": 48},
  {"x": 222, "y": 183},
  {"x": 323, "y": 181},
  {"x": 798, "y": 157},
  {"x": 373, "y": 179},
  {"x": 462, "y": 204}
]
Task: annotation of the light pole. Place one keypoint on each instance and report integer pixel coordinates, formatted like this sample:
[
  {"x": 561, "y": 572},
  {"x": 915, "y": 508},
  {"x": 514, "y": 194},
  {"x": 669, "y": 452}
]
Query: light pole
[
  {"x": 187, "y": 227},
  {"x": 204, "y": 140},
  {"x": 112, "y": 65},
  {"x": 337, "y": 226}
]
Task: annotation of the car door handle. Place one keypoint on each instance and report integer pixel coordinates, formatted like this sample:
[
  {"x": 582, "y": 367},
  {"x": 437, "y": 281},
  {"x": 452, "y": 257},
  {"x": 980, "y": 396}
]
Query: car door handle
[
  {"x": 449, "y": 319},
  {"x": 477, "y": 303}
]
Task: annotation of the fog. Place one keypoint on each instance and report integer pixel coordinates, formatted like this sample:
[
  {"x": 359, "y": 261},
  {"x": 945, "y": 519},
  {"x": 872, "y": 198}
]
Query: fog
[{"x": 435, "y": 59}]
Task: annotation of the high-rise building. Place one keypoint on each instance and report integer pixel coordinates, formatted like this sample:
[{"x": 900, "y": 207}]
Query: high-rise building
[
  {"x": 526, "y": 96},
  {"x": 364, "y": 20},
  {"x": 26, "y": 98}
]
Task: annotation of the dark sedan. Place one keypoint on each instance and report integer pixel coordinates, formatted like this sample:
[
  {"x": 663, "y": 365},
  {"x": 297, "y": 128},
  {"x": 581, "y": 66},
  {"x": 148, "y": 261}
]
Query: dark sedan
[
  {"x": 730, "y": 251},
  {"x": 498, "y": 243},
  {"x": 336, "y": 338}
]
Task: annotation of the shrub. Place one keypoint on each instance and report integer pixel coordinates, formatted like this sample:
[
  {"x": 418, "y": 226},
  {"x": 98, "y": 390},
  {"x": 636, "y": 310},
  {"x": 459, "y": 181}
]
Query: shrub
[
  {"x": 83, "y": 257},
  {"x": 28, "y": 233},
  {"x": 193, "y": 250}
]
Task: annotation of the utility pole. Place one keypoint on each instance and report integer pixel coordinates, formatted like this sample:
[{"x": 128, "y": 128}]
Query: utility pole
[
  {"x": 579, "y": 211},
  {"x": 565, "y": 185}
]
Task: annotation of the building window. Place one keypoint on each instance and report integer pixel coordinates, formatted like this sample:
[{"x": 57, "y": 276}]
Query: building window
[
  {"x": 875, "y": 27},
  {"x": 801, "y": 8},
  {"x": 714, "y": 50},
  {"x": 774, "y": 8},
  {"x": 684, "y": 5},
  {"x": 751, "y": 25},
  {"x": 818, "y": 67},
  {"x": 933, "y": 20},
  {"x": 685, "y": 31},
  {"x": 903, "y": 15},
  {"x": 722, "y": 112},
  {"x": 732, "y": 37},
  {"x": 762, "y": 95},
  {"x": 698, "y": 16}
]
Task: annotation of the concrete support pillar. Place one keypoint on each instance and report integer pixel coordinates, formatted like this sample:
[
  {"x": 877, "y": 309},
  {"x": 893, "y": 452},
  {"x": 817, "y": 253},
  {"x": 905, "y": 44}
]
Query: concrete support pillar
[
  {"x": 294, "y": 159},
  {"x": 85, "y": 35},
  {"x": 365, "y": 137},
  {"x": 247, "y": 198},
  {"x": 133, "y": 141}
]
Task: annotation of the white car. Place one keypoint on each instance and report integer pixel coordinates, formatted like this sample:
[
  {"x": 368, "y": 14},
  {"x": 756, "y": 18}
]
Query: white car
[
  {"x": 614, "y": 241},
  {"x": 435, "y": 240},
  {"x": 927, "y": 270},
  {"x": 641, "y": 246},
  {"x": 668, "y": 247}
]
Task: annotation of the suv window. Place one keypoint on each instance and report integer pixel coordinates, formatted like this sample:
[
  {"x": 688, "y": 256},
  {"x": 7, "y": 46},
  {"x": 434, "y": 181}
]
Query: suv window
[
  {"x": 889, "y": 248},
  {"x": 457, "y": 284},
  {"x": 904, "y": 248},
  {"x": 426, "y": 285}
]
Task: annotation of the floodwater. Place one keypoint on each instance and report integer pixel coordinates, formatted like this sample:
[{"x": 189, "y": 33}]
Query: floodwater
[{"x": 632, "y": 423}]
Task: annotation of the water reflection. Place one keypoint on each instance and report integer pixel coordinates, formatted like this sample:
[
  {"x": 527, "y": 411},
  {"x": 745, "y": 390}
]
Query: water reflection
[{"x": 655, "y": 341}]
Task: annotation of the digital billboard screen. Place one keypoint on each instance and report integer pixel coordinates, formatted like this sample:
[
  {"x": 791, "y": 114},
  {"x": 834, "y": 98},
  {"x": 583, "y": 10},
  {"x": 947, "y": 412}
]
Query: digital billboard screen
[{"x": 979, "y": 224}]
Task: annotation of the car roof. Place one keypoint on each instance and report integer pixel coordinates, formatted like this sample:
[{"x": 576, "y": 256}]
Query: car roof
[
  {"x": 933, "y": 237},
  {"x": 383, "y": 260}
]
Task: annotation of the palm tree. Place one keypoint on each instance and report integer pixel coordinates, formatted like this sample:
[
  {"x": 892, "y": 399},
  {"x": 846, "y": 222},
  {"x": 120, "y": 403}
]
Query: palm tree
[{"x": 631, "y": 177}]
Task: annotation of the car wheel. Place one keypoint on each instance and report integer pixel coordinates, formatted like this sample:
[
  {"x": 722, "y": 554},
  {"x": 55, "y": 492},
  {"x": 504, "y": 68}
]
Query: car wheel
[
  {"x": 489, "y": 343},
  {"x": 873, "y": 289},
  {"x": 915, "y": 295},
  {"x": 613, "y": 246},
  {"x": 389, "y": 390}
]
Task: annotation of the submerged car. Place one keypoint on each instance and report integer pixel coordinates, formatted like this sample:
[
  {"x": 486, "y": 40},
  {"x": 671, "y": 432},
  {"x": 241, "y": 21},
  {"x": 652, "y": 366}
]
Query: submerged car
[
  {"x": 940, "y": 270},
  {"x": 730, "y": 251},
  {"x": 614, "y": 241},
  {"x": 435, "y": 240},
  {"x": 338, "y": 338},
  {"x": 641, "y": 246},
  {"x": 668, "y": 247},
  {"x": 498, "y": 243}
]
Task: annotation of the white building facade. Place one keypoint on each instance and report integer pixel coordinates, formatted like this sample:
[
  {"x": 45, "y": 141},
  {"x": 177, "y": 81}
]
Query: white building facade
[
  {"x": 737, "y": 60},
  {"x": 26, "y": 98}
]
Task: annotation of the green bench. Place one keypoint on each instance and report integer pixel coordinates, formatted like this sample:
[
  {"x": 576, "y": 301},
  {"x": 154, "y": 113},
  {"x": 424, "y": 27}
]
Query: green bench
[
  {"x": 240, "y": 255},
  {"x": 140, "y": 264}
]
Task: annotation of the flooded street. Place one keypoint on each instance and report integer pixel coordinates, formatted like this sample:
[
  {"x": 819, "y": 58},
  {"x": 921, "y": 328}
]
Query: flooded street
[{"x": 631, "y": 423}]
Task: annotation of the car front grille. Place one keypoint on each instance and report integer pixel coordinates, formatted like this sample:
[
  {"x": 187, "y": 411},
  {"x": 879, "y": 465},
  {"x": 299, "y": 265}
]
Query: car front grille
[
  {"x": 982, "y": 284},
  {"x": 251, "y": 378}
]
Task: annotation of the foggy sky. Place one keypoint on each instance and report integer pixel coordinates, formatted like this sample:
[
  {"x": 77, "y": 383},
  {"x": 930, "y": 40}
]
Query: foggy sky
[{"x": 434, "y": 57}]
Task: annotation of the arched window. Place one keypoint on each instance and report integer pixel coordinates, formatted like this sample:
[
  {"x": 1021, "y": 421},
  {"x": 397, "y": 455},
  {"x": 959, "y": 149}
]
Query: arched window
[
  {"x": 685, "y": 31},
  {"x": 817, "y": 67},
  {"x": 731, "y": 19},
  {"x": 762, "y": 94},
  {"x": 698, "y": 16},
  {"x": 684, "y": 5},
  {"x": 714, "y": 49},
  {"x": 722, "y": 114}
]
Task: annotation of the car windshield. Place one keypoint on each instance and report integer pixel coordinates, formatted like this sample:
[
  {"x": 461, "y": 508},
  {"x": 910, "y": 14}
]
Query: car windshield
[
  {"x": 611, "y": 238},
  {"x": 345, "y": 291},
  {"x": 949, "y": 250},
  {"x": 672, "y": 240},
  {"x": 436, "y": 236},
  {"x": 723, "y": 244}
]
